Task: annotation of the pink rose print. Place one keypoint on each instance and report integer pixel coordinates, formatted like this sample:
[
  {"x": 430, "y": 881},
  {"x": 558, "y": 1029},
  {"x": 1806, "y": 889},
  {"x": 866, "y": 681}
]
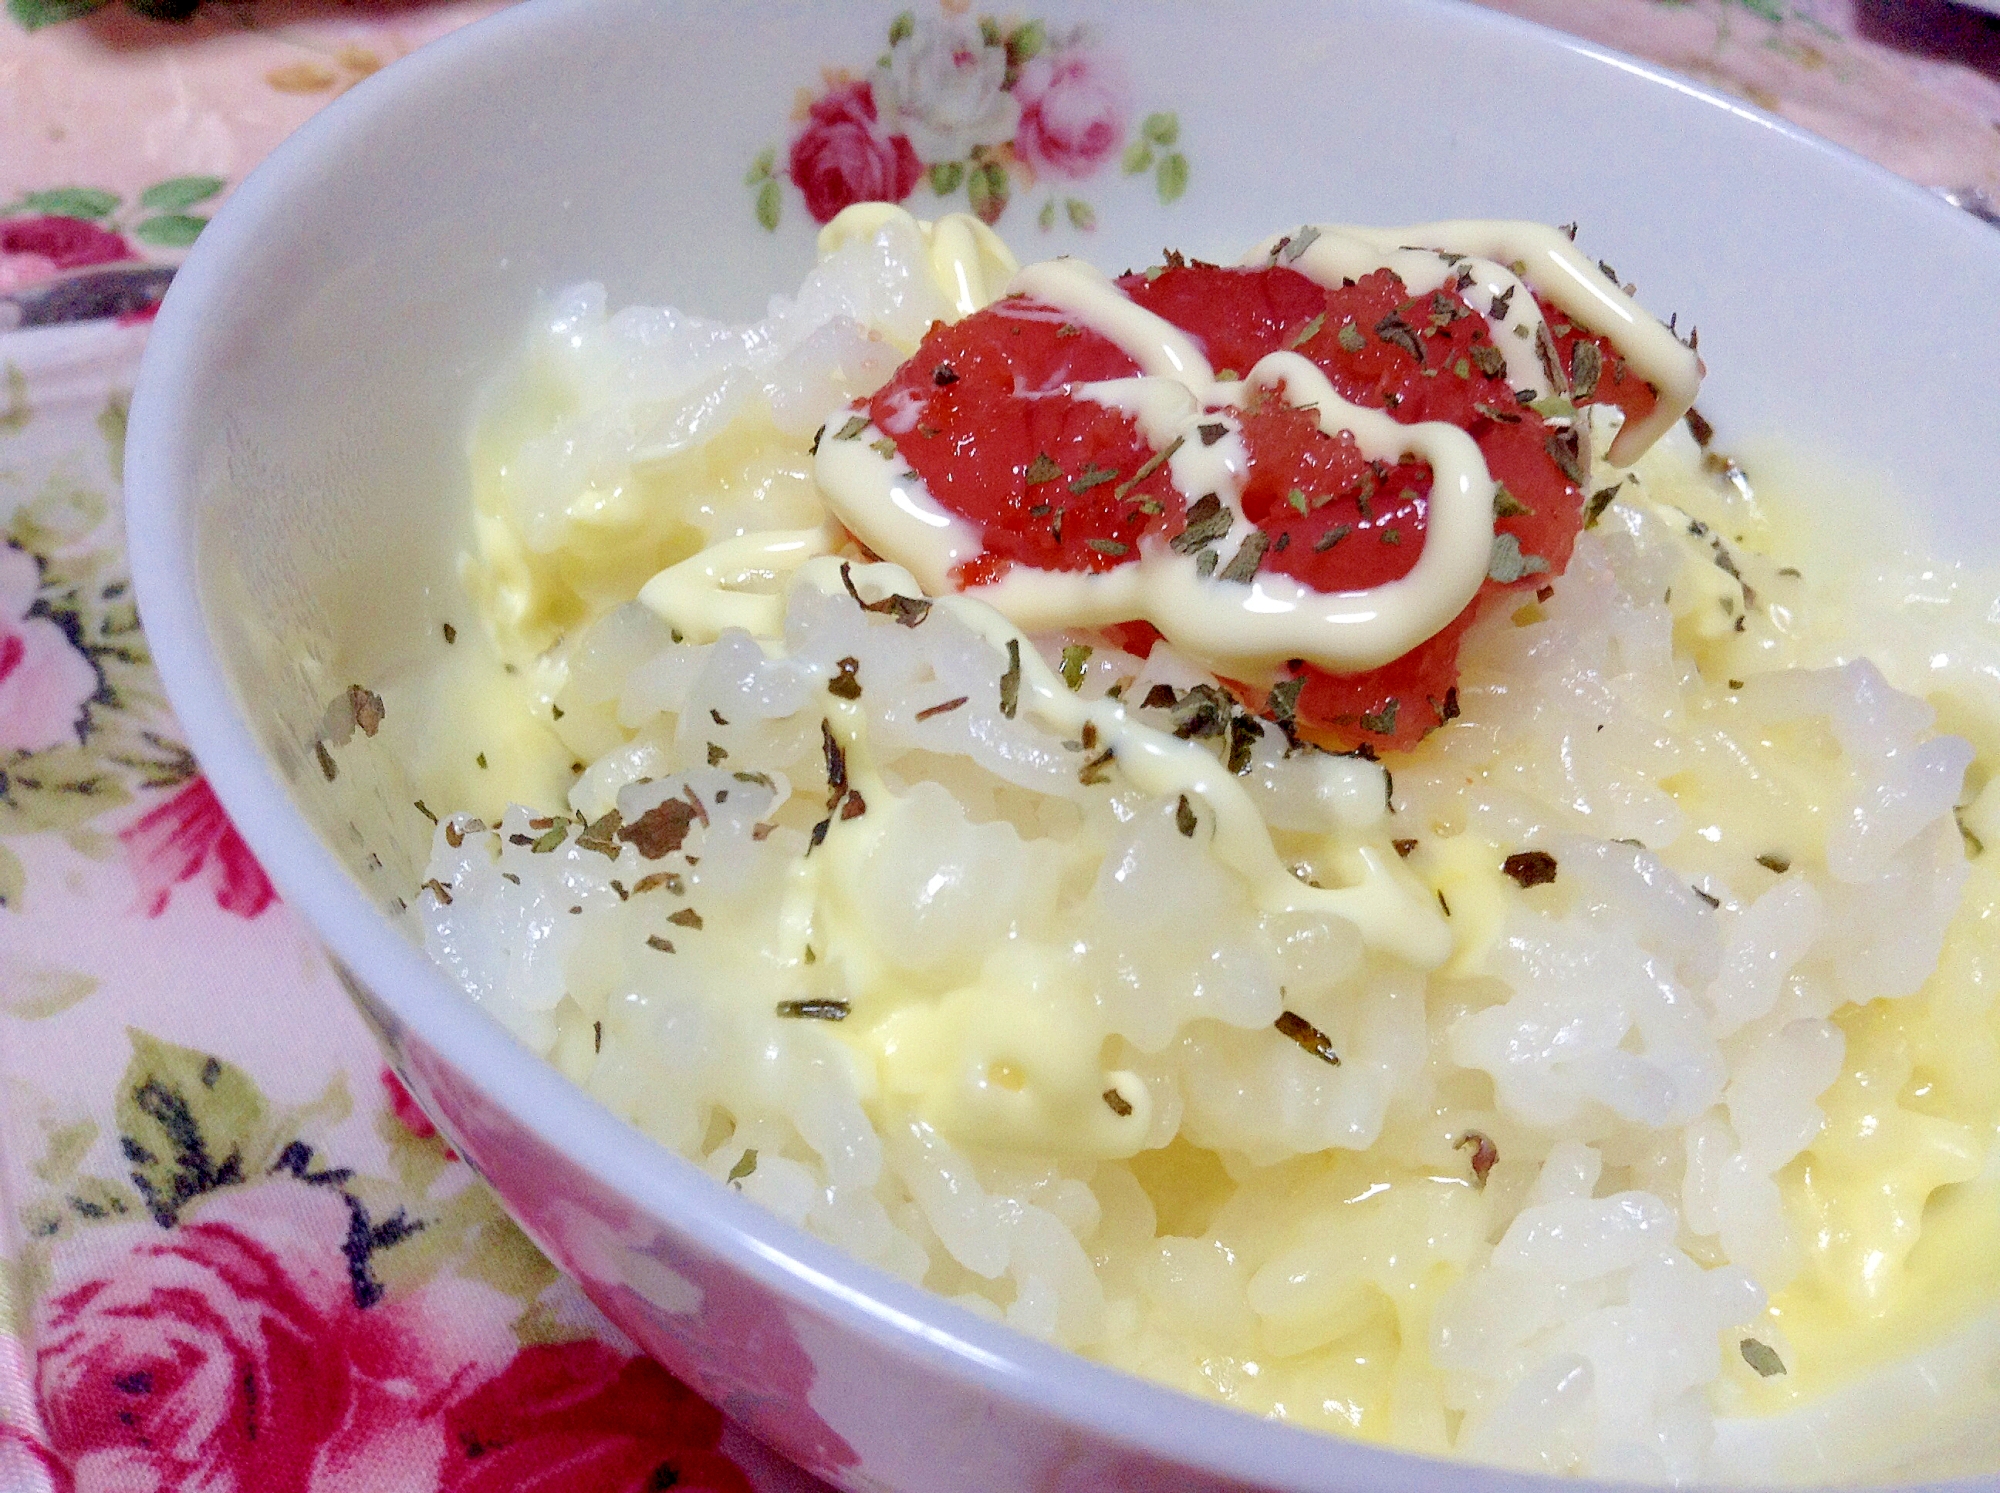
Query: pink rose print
[
  {"x": 945, "y": 86},
  {"x": 842, "y": 157},
  {"x": 571, "y": 1417},
  {"x": 1074, "y": 105},
  {"x": 33, "y": 249},
  {"x": 20, "y": 1452},
  {"x": 410, "y": 1114},
  {"x": 44, "y": 680},
  {"x": 230, "y": 1355},
  {"x": 183, "y": 837}
]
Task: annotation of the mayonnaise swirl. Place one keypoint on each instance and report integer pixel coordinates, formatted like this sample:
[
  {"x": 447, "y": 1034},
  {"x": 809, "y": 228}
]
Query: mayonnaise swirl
[{"x": 1250, "y": 630}]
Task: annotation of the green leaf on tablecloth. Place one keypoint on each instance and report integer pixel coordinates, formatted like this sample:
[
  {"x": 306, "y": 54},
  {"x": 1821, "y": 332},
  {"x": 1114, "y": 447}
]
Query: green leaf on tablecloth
[
  {"x": 1172, "y": 176},
  {"x": 503, "y": 1258},
  {"x": 447, "y": 1227},
  {"x": 34, "y": 992},
  {"x": 188, "y": 1124},
  {"x": 95, "y": 1200},
  {"x": 171, "y": 230},
  {"x": 87, "y": 203},
  {"x": 539, "y": 1325},
  {"x": 179, "y": 192},
  {"x": 111, "y": 423},
  {"x": 769, "y": 201},
  {"x": 64, "y": 1153},
  {"x": 17, "y": 411},
  {"x": 35, "y": 14}
]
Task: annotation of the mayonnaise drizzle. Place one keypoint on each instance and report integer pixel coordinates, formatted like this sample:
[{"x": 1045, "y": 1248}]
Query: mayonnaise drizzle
[
  {"x": 1394, "y": 911},
  {"x": 1249, "y": 631}
]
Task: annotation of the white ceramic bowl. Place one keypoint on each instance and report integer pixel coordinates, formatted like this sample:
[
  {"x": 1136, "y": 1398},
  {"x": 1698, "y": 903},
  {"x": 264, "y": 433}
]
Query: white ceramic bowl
[{"x": 297, "y": 491}]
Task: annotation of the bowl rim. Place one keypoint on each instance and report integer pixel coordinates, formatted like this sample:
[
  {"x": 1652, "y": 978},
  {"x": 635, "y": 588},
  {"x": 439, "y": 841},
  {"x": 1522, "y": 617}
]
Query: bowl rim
[{"x": 781, "y": 1257}]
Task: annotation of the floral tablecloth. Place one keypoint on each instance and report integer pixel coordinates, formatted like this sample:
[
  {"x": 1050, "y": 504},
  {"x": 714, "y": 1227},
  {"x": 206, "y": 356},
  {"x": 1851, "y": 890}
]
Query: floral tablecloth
[{"x": 234, "y": 1257}]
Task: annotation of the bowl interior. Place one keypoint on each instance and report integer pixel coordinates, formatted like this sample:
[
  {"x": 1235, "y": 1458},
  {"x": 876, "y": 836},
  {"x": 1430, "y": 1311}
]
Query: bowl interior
[{"x": 298, "y": 475}]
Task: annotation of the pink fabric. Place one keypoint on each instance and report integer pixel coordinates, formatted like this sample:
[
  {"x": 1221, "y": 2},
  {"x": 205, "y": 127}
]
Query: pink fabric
[{"x": 249, "y": 1263}]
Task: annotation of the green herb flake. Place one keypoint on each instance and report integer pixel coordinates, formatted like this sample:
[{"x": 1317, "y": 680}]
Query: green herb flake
[
  {"x": 815, "y": 1010},
  {"x": 1599, "y": 501},
  {"x": 1331, "y": 537},
  {"x": 1010, "y": 682},
  {"x": 549, "y": 840},
  {"x": 1294, "y": 1026},
  {"x": 1383, "y": 721},
  {"x": 1761, "y": 1357},
  {"x": 1776, "y": 864},
  {"x": 1243, "y": 568},
  {"x": 1184, "y": 817},
  {"x": 1074, "y": 657},
  {"x": 1309, "y": 331},
  {"x": 1212, "y": 432},
  {"x": 1207, "y": 521},
  {"x": 745, "y": 1164},
  {"x": 1297, "y": 498},
  {"x": 1118, "y": 1104},
  {"x": 1489, "y": 359},
  {"x": 853, "y": 428},
  {"x": 1112, "y": 547},
  {"x": 1586, "y": 368},
  {"x": 1092, "y": 476},
  {"x": 1283, "y": 702},
  {"x": 844, "y": 685},
  {"x": 885, "y": 448},
  {"x": 659, "y": 944},
  {"x": 1151, "y": 465},
  {"x": 1505, "y": 504},
  {"x": 1529, "y": 868},
  {"x": 1042, "y": 469},
  {"x": 1509, "y": 565},
  {"x": 1351, "y": 338}
]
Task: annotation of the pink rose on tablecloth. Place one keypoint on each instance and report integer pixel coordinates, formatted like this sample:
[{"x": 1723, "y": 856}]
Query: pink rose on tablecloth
[
  {"x": 842, "y": 156},
  {"x": 33, "y": 249},
  {"x": 228, "y": 1354},
  {"x": 945, "y": 86},
  {"x": 582, "y": 1416},
  {"x": 182, "y": 838},
  {"x": 1074, "y": 104},
  {"x": 44, "y": 680},
  {"x": 410, "y": 1114}
]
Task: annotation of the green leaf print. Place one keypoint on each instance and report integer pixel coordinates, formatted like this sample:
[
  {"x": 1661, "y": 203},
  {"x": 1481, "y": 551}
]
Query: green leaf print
[
  {"x": 1172, "y": 177},
  {"x": 73, "y": 202},
  {"x": 988, "y": 191},
  {"x": 171, "y": 230},
  {"x": 34, "y": 992},
  {"x": 188, "y": 1124},
  {"x": 180, "y": 192}
]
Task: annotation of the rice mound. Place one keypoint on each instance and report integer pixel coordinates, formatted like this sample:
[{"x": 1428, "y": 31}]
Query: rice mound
[{"x": 1537, "y": 1213}]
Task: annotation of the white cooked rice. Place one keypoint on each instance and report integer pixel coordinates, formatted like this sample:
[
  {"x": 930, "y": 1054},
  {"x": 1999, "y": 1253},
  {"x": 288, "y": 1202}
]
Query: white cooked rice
[{"x": 1646, "y": 1041}]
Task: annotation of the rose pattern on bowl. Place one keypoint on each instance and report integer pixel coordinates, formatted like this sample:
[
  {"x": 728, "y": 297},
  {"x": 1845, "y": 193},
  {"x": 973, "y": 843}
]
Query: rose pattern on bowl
[{"x": 986, "y": 108}]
